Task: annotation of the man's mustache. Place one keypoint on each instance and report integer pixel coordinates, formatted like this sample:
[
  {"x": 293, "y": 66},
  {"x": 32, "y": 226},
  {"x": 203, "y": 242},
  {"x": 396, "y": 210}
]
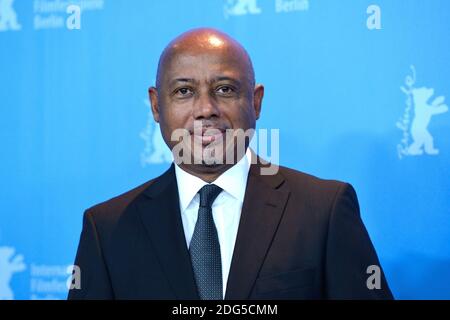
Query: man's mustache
[{"x": 203, "y": 126}]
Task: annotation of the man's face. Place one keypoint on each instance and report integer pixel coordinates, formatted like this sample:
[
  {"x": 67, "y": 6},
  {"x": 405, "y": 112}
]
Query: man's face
[{"x": 209, "y": 90}]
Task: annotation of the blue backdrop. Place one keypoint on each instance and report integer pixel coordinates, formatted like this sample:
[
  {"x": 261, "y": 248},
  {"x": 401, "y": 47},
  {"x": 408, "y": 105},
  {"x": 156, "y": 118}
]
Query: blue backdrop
[{"x": 357, "y": 91}]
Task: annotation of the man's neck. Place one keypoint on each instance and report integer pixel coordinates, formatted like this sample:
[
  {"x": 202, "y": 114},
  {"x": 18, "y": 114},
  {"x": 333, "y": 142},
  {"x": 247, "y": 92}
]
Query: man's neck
[
  {"x": 204, "y": 172},
  {"x": 209, "y": 173}
]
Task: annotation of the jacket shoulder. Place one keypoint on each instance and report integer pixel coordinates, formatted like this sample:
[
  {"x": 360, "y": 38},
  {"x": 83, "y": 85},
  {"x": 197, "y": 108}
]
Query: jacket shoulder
[
  {"x": 310, "y": 183},
  {"x": 108, "y": 212},
  {"x": 315, "y": 191}
]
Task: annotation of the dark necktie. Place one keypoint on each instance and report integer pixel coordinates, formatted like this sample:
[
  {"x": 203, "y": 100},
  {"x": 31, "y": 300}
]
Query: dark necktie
[{"x": 205, "y": 248}]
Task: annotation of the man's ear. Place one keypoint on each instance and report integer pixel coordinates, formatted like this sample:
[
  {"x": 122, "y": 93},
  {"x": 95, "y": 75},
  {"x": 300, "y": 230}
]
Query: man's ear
[
  {"x": 258, "y": 95},
  {"x": 154, "y": 102}
]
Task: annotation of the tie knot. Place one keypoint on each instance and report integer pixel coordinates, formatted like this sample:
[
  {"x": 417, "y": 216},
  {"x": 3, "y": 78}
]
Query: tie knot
[{"x": 208, "y": 194}]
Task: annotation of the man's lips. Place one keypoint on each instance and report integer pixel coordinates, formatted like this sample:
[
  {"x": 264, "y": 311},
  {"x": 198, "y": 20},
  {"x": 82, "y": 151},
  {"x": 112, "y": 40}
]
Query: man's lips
[{"x": 208, "y": 135}]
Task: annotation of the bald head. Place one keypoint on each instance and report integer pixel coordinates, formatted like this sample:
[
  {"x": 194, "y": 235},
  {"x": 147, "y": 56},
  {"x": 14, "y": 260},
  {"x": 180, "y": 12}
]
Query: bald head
[{"x": 205, "y": 41}]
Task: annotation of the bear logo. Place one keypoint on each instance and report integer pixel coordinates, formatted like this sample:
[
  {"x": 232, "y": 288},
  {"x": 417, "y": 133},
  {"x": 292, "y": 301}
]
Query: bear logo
[
  {"x": 241, "y": 7},
  {"x": 9, "y": 264},
  {"x": 416, "y": 117},
  {"x": 156, "y": 150},
  {"x": 8, "y": 17},
  {"x": 423, "y": 112}
]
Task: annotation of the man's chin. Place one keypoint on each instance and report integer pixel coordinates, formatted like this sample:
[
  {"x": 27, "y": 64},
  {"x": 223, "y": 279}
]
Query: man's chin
[
  {"x": 210, "y": 162},
  {"x": 212, "y": 166}
]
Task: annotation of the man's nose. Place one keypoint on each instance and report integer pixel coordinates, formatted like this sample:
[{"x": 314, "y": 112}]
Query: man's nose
[{"x": 206, "y": 106}]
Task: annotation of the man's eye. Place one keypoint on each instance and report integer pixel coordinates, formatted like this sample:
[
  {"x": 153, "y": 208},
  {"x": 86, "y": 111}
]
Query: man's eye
[
  {"x": 183, "y": 92},
  {"x": 225, "y": 90}
]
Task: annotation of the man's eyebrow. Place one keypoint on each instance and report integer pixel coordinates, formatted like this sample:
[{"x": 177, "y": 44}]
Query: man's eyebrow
[
  {"x": 174, "y": 81},
  {"x": 225, "y": 78},
  {"x": 216, "y": 79}
]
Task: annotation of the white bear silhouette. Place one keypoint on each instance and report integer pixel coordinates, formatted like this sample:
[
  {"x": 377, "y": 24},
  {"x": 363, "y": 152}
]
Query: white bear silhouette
[
  {"x": 8, "y": 16},
  {"x": 8, "y": 267},
  {"x": 156, "y": 150},
  {"x": 161, "y": 153},
  {"x": 423, "y": 111},
  {"x": 241, "y": 7}
]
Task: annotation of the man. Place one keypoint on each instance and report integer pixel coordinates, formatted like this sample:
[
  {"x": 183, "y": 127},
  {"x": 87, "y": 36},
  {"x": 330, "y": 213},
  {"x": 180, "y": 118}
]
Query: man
[{"x": 218, "y": 227}]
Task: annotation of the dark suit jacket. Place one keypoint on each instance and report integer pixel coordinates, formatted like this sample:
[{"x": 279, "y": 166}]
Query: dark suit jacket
[{"x": 299, "y": 237}]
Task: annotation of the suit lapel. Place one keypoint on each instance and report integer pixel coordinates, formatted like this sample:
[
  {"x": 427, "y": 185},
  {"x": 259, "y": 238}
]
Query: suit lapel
[
  {"x": 261, "y": 212},
  {"x": 160, "y": 214}
]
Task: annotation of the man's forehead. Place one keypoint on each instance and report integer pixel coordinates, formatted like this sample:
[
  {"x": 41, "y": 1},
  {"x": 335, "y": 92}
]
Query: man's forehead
[
  {"x": 209, "y": 65},
  {"x": 211, "y": 56}
]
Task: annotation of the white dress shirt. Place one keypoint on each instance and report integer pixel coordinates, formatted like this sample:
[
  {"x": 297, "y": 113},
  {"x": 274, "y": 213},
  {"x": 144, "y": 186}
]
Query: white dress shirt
[{"x": 226, "y": 208}]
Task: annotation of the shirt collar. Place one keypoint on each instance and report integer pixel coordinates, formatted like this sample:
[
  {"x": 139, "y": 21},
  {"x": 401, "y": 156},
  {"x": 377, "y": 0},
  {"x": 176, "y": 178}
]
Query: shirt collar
[{"x": 232, "y": 181}]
